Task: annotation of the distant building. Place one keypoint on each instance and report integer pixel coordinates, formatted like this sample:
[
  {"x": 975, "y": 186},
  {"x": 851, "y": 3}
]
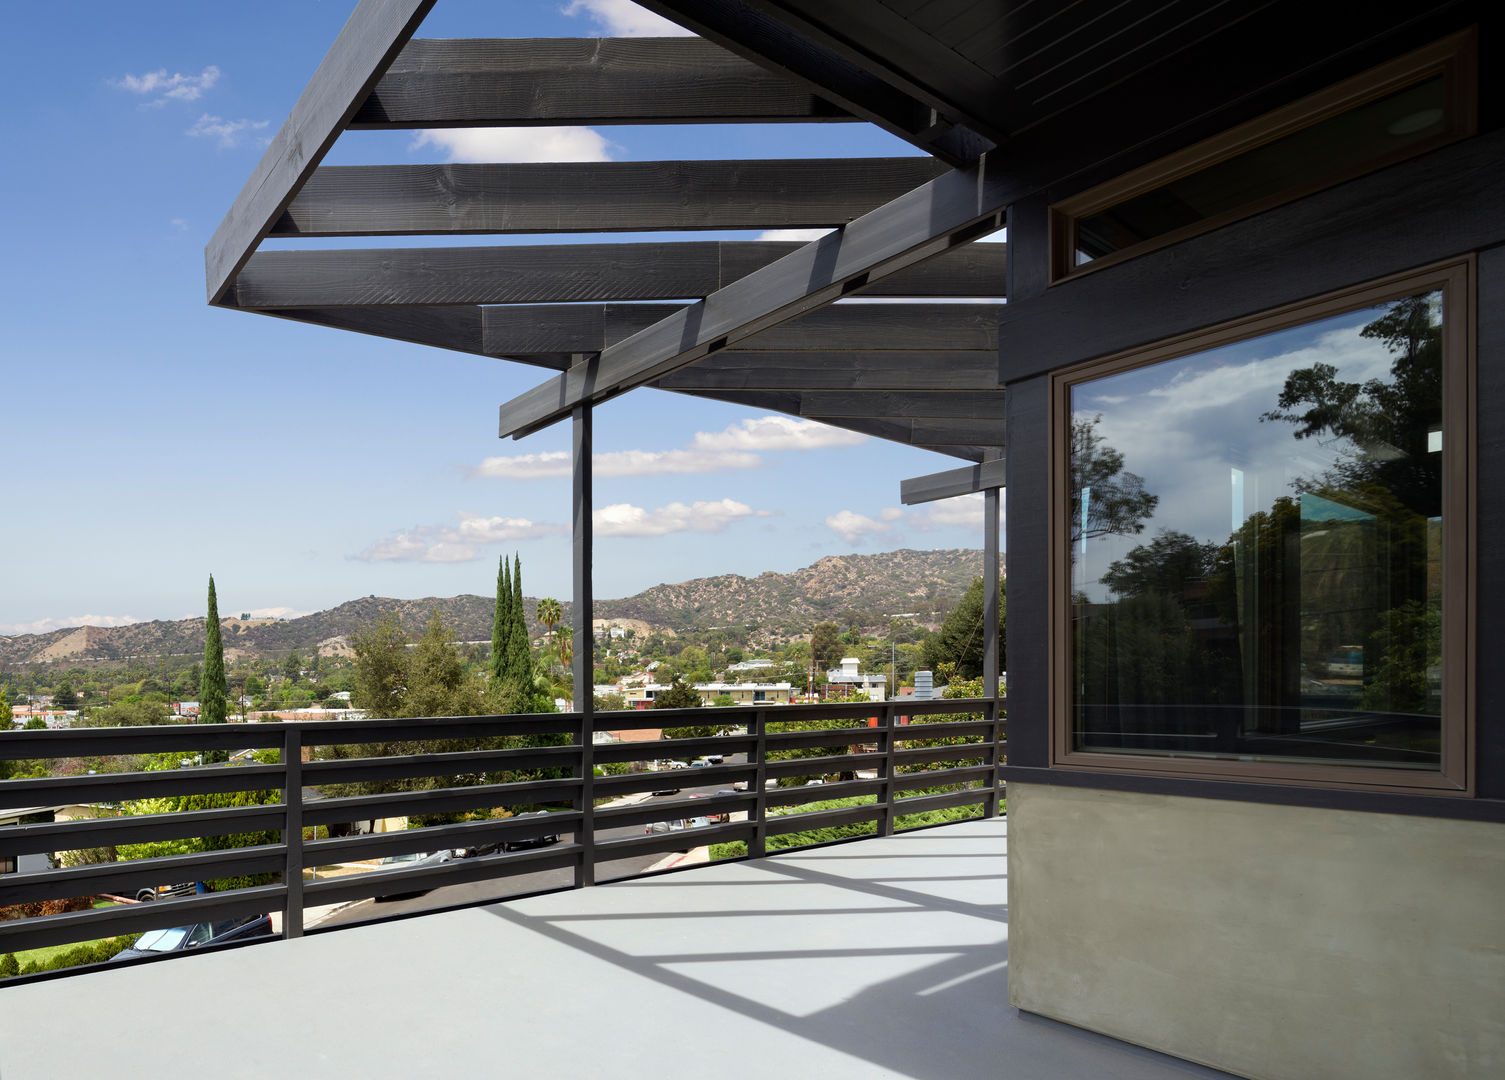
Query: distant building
[{"x": 847, "y": 679}]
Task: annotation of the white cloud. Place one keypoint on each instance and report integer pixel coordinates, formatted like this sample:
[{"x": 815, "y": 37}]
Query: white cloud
[
  {"x": 454, "y": 543},
  {"x": 516, "y": 144},
  {"x": 474, "y": 528},
  {"x": 776, "y": 433},
  {"x": 800, "y": 235},
  {"x": 736, "y": 447},
  {"x": 175, "y": 87},
  {"x": 46, "y": 626},
  {"x": 556, "y": 463},
  {"x": 181, "y": 224},
  {"x": 228, "y": 132},
  {"x": 964, "y": 511},
  {"x": 622, "y": 18},
  {"x": 961, "y": 512},
  {"x": 624, "y": 519},
  {"x": 854, "y": 527}
]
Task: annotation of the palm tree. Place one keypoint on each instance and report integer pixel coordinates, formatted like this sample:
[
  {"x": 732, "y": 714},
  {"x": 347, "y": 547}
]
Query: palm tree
[
  {"x": 549, "y": 613},
  {"x": 566, "y": 646}
]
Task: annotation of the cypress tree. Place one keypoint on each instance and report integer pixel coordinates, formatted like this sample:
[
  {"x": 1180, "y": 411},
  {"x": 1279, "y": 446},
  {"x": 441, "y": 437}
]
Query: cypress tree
[
  {"x": 501, "y": 622},
  {"x": 212, "y": 688},
  {"x": 519, "y": 669}
]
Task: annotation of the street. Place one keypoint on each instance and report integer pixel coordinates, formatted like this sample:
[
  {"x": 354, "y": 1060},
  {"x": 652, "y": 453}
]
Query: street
[{"x": 502, "y": 888}]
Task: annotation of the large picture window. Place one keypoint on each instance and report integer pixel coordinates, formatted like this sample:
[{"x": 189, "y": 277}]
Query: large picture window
[{"x": 1261, "y": 564}]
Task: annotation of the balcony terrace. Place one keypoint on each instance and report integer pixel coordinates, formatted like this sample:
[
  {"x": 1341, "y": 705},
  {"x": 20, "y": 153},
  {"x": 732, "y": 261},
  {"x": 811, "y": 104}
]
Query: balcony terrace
[{"x": 881, "y": 957}]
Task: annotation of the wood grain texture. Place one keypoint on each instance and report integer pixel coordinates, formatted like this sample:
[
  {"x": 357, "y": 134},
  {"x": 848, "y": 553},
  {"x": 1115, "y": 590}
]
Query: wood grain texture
[
  {"x": 875, "y": 371},
  {"x": 912, "y": 404},
  {"x": 596, "y": 196},
  {"x": 846, "y": 327},
  {"x": 953, "y": 482},
  {"x": 914, "y": 228},
  {"x": 859, "y": 82},
  {"x": 1489, "y": 556},
  {"x": 524, "y": 81},
  {"x": 370, "y": 39},
  {"x": 544, "y": 273}
]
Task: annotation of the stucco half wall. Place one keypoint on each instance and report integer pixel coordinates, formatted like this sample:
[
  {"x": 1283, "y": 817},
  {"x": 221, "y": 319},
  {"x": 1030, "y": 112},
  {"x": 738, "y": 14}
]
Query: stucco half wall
[{"x": 1277, "y": 942}]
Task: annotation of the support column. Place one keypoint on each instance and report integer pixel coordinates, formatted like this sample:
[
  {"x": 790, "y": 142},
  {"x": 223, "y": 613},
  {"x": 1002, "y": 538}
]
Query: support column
[
  {"x": 991, "y": 501},
  {"x": 583, "y": 667}
]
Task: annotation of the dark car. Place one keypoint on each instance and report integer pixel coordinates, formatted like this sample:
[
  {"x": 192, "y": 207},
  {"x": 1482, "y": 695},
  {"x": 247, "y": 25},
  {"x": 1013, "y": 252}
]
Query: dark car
[
  {"x": 532, "y": 841},
  {"x": 179, "y": 939}
]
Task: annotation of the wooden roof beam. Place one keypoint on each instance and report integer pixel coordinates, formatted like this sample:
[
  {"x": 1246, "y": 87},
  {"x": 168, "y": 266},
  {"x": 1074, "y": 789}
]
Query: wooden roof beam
[
  {"x": 527, "y": 81},
  {"x": 373, "y": 35},
  {"x": 596, "y": 196},
  {"x": 953, "y": 482},
  {"x": 850, "y": 327},
  {"x": 522, "y": 274},
  {"x": 944, "y": 214}
]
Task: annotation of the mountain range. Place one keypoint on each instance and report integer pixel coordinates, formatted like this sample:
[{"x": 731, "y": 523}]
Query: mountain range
[{"x": 772, "y": 606}]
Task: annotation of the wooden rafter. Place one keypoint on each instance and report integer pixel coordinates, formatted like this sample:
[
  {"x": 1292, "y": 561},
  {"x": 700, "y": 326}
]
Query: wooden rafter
[
  {"x": 946, "y": 212},
  {"x": 523, "y": 81},
  {"x": 596, "y": 196}
]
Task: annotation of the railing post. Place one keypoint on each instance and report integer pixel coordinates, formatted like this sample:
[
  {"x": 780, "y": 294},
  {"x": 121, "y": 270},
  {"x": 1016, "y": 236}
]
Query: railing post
[
  {"x": 292, "y": 831},
  {"x": 757, "y": 847},
  {"x": 990, "y": 672},
  {"x": 993, "y": 758},
  {"x": 886, "y": 770}
]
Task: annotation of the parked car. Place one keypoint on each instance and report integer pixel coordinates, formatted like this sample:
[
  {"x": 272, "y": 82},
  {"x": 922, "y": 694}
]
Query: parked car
[
  {"x": 713, "y": 759},
  {"x": 413, "y": 860},
  {"x": 532, "y": 841},
  {"x": 178, "y": 939},
  {"x": 149, "y": 892}
]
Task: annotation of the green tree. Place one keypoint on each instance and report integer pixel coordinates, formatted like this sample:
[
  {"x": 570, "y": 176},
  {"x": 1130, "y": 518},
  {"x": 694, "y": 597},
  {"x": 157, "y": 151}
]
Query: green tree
[
  {"x": 7, "y": 715},
  {"x": 292, "y": 667},
  {"x": 519, "y": 667},
  {"x": 438, "y": 684},
  {"x": 65, "y": 697},
  {"x": 135, "y": 713},
  {"x": 212, "y": 688},
  {"x": 549, "y": 613},
  {"x": 958, "y": 643},
  {"x": 501, "y": 621},
  {"x": 679, "y": 695},
  {"x": 825, "y": 643},
  {"x": 381, "y": 667}
]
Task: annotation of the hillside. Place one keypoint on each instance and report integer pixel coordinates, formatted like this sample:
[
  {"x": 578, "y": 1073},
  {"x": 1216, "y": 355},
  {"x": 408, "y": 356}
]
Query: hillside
[{"x": 778, "y": 605}]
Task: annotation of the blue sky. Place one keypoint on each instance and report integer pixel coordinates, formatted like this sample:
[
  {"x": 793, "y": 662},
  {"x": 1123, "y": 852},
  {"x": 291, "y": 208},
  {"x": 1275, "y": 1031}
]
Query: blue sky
[{"x": 153, "y": 440}]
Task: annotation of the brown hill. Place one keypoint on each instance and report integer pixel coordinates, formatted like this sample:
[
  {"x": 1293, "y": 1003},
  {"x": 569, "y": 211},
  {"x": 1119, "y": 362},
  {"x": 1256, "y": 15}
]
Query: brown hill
[{"x": 772, "y": 605}]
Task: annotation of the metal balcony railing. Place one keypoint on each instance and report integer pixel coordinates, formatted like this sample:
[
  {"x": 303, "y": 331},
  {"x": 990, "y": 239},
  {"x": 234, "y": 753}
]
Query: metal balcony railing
[{"x": 908, "y": 747}]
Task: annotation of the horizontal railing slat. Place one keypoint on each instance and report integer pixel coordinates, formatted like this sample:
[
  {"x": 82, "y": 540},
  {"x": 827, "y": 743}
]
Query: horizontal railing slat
[
  {"x": 120, "y": 878},
  {"x": 126, "y": 787},
  {"x": 136, "y": 829},
  {"x": 437, "y": 801},
  {"x": 75, "y": 926}
]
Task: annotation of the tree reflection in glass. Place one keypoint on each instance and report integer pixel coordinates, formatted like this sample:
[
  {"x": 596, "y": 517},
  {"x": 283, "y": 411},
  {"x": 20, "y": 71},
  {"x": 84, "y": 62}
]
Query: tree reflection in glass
[{"x": 1287, "y": 604}]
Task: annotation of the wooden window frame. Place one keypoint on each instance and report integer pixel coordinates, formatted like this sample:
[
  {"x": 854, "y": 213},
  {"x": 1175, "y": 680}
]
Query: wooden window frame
[
  {"x": 1454, "y": 57},
  {"x": 1456, "y": 280}
]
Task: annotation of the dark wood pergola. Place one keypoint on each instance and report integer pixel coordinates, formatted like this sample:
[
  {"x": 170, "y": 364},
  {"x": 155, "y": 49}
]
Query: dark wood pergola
[{"x": 1016, "y": 109}]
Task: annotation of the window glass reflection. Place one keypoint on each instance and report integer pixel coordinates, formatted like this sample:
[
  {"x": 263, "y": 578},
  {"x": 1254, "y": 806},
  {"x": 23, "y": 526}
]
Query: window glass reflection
[{"x": 1256, "y": 538}]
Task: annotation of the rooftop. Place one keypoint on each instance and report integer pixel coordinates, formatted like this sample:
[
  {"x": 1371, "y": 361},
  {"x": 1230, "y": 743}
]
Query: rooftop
[{"x": 828, "y": 961}]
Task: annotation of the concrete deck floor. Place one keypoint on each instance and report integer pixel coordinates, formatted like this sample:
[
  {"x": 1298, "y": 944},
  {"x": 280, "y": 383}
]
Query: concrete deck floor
[{"x": 887, "y": 957}]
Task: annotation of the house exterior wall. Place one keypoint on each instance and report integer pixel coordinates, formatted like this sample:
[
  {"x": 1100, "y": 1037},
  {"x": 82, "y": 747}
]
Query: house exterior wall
[{"x": 1272, "y": 941}]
